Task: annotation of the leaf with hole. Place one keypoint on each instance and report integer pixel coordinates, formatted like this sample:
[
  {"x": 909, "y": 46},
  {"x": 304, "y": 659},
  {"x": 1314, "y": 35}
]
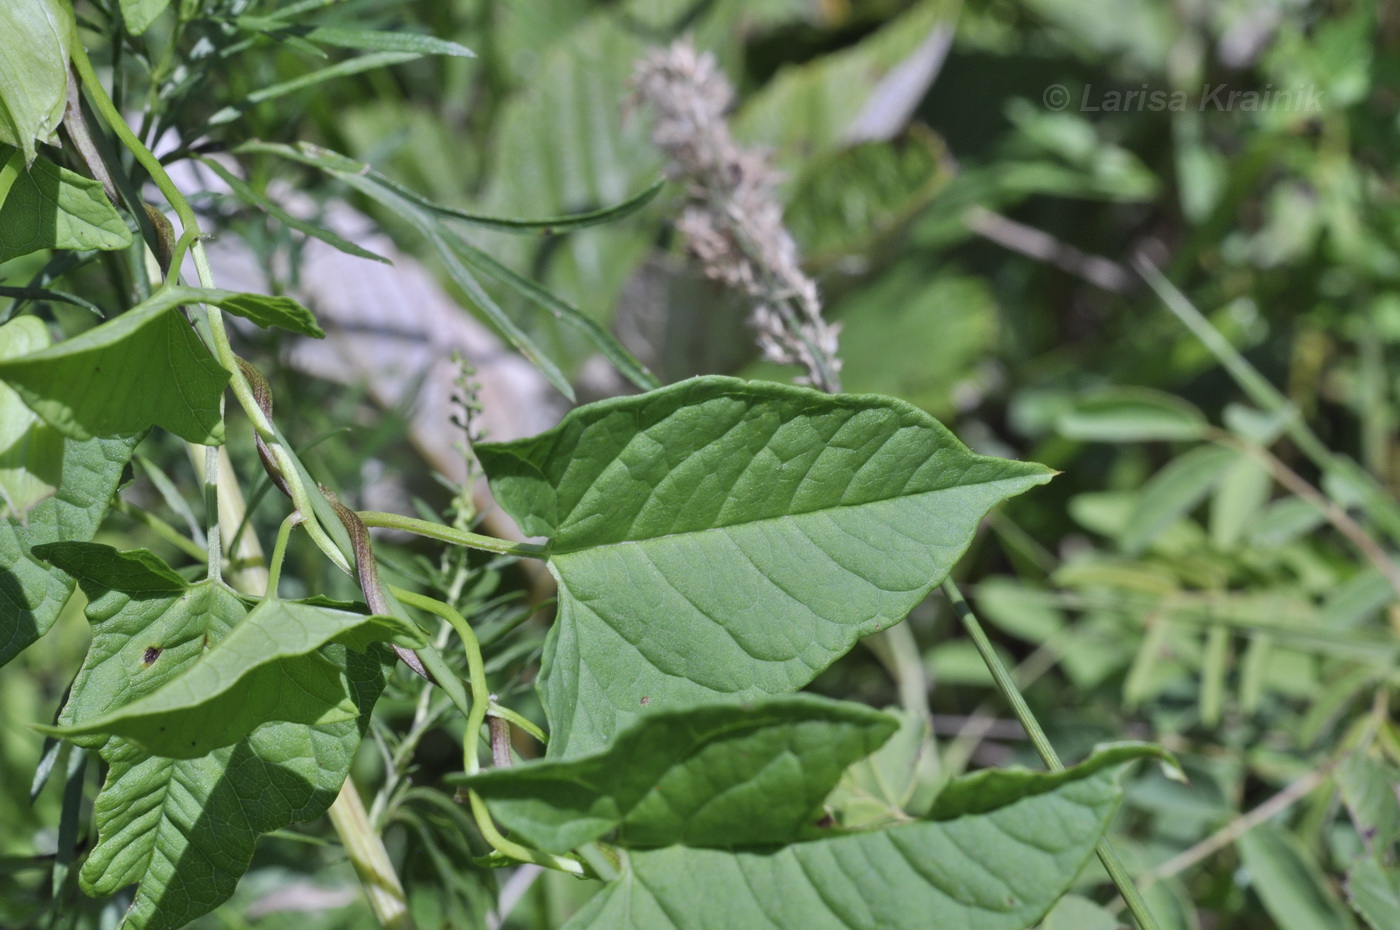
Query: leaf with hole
[
  {"x": 269, "y": 668},
  {"x": 184, "y": 829},
  {"x": 721, "y": 537}
]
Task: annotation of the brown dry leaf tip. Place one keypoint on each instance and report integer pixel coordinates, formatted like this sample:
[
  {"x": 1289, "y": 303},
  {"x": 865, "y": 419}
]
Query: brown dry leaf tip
[{"x": 734, "y": 222}]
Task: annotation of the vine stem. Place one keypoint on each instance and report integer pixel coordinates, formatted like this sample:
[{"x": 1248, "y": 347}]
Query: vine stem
[
  {"x": 347, "y": 813},
  {"x": 191, "y": 238},
  {"x": 1111, "y": 863},
  {"x": 481, "y": 704},
  {"x": 450, "y": 534}
]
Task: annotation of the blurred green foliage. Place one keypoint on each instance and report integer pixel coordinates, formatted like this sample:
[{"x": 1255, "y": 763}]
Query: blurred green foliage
[{"x": 1193, "y": 577}]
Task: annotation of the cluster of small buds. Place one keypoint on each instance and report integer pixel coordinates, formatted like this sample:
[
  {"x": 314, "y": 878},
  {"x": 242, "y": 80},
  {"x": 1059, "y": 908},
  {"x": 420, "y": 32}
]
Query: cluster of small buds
[{"x": 734, "y": 223}]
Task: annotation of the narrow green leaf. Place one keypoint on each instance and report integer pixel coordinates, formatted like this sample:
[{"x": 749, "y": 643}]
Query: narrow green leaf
[
  {"x": 1132, "y": 415},
  {"x": 605, "y": 342},
  {"x": 447, "y": 243},
  {"x": 370, "y": 40},
  {"x": 345, "y": 68},
  {"x": 185, "y": 828},
  {"x": 139, "y": 14},
  {"x": 1374, "y": 891},
  {"x": 246, "y": 193},
  {"x": 48, "y": 207},
  {"x": 145, "y": 368},
  {"x": 1289, "y": 882},
  {"x": 266, "y": 670},
  {"x": 1243, "y": 492},
  {"x": 724, "y": 775},
  {"x": 1000, "y": 868},
  {"x": 1173, "y": 493},
  {"x": 33, "y": 70},
  {"x": 726, "y": 537}
]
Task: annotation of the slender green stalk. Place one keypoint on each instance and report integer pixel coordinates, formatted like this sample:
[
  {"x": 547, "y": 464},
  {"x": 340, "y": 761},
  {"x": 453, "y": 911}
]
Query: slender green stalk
[
  {"x": 1111, "y": 863},
  {"x": 481, "y": 705},
  {"x": 476, "y": 668},
  {"x": 279, "y": 552},
  {"x": 451, "y": 534},
  {"x": 505, "y": 713},
  {"x": 190, "y": 233}
]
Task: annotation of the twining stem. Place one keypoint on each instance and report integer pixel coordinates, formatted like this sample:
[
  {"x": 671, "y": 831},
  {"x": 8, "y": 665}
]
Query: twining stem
[
  {"x": 191, "y": 239},
  {"x": 476, "y": 668},
  {"x": 364, "y": 845},
  {"x": 450, "y": 534},
  {"x": 1111, "y": 863},
  {"x": 481, "y": 704}
]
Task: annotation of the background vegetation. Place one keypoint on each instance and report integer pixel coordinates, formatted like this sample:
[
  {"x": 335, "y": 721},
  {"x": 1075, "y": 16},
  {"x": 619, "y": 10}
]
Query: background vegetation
[{"x": 1213, "y": 570}]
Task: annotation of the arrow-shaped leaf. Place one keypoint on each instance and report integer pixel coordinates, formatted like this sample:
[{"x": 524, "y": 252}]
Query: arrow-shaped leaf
[
  {"x": 268, "y": 668},
  {"x": 48, "y": 207},
  {"x": 994, "y": 867},
  {"x": 721, "y": 537}
]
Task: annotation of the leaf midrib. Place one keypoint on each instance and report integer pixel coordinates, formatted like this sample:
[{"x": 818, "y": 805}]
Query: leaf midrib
[{"x": 552, "y": 548}]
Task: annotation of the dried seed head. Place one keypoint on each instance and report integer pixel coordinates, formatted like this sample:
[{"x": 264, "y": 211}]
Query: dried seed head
[{"x": 734, "y": 222}]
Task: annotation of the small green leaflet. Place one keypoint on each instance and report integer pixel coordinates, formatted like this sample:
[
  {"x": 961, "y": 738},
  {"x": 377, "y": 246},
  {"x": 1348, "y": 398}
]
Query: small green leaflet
[
  {"x": 48, "y": 207},
  {"x": 185, "y": 828},
  {"x": 996, "y": 867},
  {"x": 139, "y": 14},
  {"x": 720, "y": 537},
  {"x": 725, "y": 774},
  {"x": 50, "y": 487},
  {"x": 267, "y": 669},
  {"x": 33, "y": 70}
]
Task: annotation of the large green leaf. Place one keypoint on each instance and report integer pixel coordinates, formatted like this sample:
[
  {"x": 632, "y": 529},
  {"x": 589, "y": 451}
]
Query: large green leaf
[
  {"x": 33, "y": 70},
  {"x": 996, "y": 867},
  {"x": 185, "y": 828},
  {"x": 731, "y": 774},
  {"x": 145, "y": 368},
  {"x": 50, "y": 487},
  {"x": 48, "y": 207},
  {"x": 31, "y": 451},
  {"x": 721, "y": 537},
  {"x": 267, "y": 669}
]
